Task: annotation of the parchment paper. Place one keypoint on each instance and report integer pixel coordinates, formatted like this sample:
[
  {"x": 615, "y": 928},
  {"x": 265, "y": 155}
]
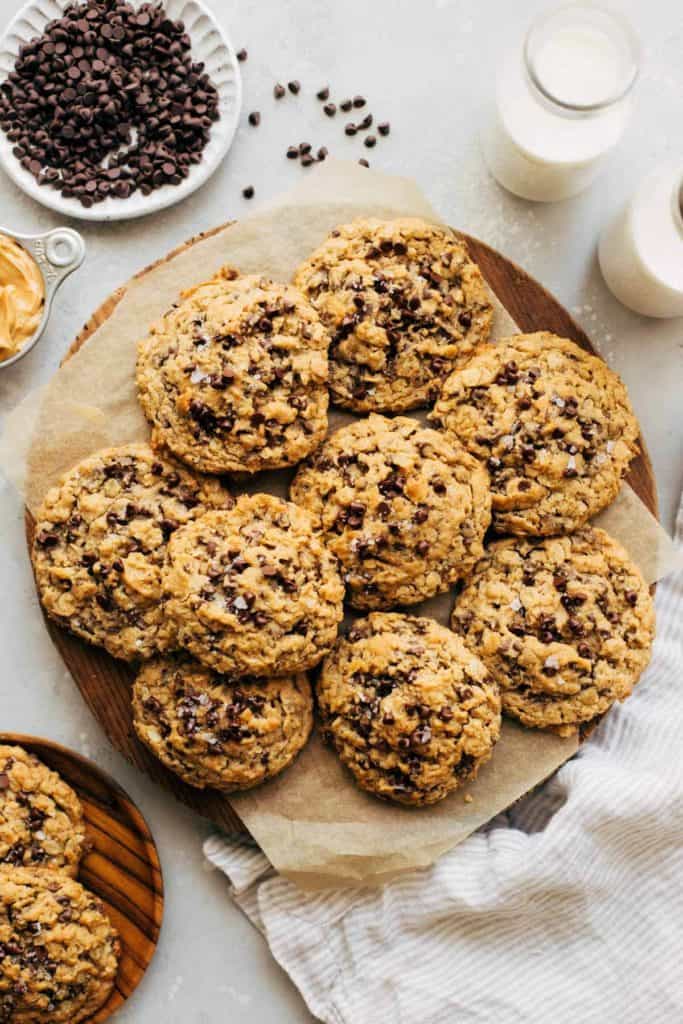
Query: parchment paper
[{"x": 313, "y": 824}]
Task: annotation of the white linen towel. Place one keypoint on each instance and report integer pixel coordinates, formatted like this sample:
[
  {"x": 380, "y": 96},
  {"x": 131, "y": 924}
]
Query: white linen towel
[{"x": 567, "y": 909}]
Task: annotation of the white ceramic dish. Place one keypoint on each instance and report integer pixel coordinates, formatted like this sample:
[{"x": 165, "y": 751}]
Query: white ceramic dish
[
  {"x": 58, "y": 253},
  {"x": 209, "y": 44}
]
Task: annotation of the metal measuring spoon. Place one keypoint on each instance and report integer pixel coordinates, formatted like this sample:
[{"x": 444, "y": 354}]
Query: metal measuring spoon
[{"x": 58, "y": 253}]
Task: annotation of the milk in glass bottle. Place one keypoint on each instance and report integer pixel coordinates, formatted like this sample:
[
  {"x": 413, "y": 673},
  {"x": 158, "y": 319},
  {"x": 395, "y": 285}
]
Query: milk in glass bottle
[{"x": 561, "y": 105}]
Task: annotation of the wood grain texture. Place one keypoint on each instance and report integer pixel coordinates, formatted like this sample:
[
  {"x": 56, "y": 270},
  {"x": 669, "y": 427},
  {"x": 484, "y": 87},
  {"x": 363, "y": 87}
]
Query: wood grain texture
[
  {"x": 122, "y": 866},
  {"x": 105, "y": 683}
]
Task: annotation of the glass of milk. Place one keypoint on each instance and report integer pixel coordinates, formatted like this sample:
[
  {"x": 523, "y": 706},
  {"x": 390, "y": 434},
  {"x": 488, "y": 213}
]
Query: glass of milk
[
  {"x": 641, "y": 249},
  {"x": 562, "y": 104}
]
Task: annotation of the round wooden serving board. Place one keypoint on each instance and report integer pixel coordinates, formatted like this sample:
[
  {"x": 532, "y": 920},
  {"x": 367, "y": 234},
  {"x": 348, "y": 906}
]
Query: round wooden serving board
[
  {"x": 122, "y": 867},
  {"x": 105, "y": 683}
]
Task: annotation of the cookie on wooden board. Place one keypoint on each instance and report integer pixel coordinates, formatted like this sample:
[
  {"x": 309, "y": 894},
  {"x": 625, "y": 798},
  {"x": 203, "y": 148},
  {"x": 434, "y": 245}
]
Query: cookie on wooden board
[
  {"x": 402, "y": 507},
  {"x": 411, "y": 712},
  {"x": 41, "y": 818},
  {"x": 564, "y": 624},
  {"x": 253, "y": 591},
  {"x": 234, "y": 377},
  {"x": 213, "y": 730},
  {"x": 58, "y": 949},
  {"x": 404, "y": 304},
  {"x": 553, "y": 424},
  {"x": 100, "y": 540}
]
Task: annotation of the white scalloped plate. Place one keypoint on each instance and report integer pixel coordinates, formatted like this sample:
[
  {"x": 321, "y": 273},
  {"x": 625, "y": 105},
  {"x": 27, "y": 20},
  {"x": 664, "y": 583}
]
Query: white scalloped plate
[{"x": 209, "y": 44}]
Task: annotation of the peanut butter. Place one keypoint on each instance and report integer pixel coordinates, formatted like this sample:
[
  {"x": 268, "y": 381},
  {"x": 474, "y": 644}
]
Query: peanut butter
[{"x": 22, "y": 297}]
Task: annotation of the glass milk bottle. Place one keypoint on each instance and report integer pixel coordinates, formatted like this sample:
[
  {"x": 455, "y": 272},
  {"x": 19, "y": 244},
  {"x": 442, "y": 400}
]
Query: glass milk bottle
[
  {"x": 641, "y": 249},
  {"x": 562, "y": 104}
]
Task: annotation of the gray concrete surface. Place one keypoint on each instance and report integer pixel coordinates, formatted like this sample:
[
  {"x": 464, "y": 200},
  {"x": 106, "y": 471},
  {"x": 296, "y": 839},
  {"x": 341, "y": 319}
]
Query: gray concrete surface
[{"x": 425, "y": 65}]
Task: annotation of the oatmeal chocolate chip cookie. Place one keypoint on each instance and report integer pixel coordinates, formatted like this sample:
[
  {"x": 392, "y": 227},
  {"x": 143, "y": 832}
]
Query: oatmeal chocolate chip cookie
[
  {"x": 403, "y": 509},
  {"x": 409, "y": 709},
  {"x": 100, "y": 538},
  {"x": 41, "y": 818},
  {"x": 253, "y": 591},
  {"x": 58, "y": 949},
  {"x": 554, "y": 425},
  {"x": 234, "y": 378},
  {"x": 217, "y": 731},
  {"x": 565, "y": 625},
  {"x": 404, "y": 305}
]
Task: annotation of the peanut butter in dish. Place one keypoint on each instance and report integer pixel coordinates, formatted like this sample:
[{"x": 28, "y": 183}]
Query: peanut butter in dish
[{"x": 22, "y": 297}]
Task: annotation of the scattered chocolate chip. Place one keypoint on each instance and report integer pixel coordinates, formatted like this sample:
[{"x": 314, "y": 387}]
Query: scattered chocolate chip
[
  {"x": 241, "y": 54},
  {"x": 365, "y": 123},
  {"x": 322, "y": 153},
  {"x": 279, "y": 91},
  {"x": 363, "y": 162},
  {"x": 359, "y": 101},
  {"x": 350, "y": 128},
  {"x": 323, "y": 94},
  {"x": 307, "y": 159},
  {"x": 255, "y": 118},
  {"x": 330, "y": 109},
  {"x": 304, "y": 147},
  {"x": 370, "y": 141},
  {"x": 346, "y": 105},
  {"x": 294, "y": 87},
  {"x": 248, "y": 192},
  {"x": 384, "y": 128},
  {"x": 293, "y": 153}
]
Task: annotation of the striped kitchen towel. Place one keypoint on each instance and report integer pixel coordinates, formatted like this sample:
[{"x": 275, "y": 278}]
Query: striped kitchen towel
[{"x": 567, "y": 909}]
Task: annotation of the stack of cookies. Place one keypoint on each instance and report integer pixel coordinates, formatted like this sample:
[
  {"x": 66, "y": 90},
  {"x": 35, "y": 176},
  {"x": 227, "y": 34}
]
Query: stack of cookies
[
  {"x": 229, "y": 603},
  {"x": 58, "y": 948}
]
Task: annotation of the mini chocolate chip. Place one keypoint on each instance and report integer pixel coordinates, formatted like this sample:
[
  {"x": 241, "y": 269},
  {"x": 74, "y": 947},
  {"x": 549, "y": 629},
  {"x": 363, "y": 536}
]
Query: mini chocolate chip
[
  {"x": 322, "y": 153},
  {"x": 293, "y": 153},
  {"x": 307, "y": 159},
  {"x": 350, "y": 129},
  {"x": 255, "y": 118},
  {"x": 241, "y": 54},
  {"x": 4, "y": 780},
  {"x": 584, "y": 650},
  {"x": 384, "y": 128},
  {"x": 330, "y": 109},
  {"x": 370, "y": 141},
  {"x": 632, "y": 597},
  {"x": 465, "y": 320},
  {"x": 278, "y": 91},
  {"x": 359, "y": 101},
  {"x": 323, "y": 94},
  {"x": 363, "y": 162},
  {"x": 248, "y": 192},
  {"x": 294, "y": 87},
  {"x": 346, "y": 105}
]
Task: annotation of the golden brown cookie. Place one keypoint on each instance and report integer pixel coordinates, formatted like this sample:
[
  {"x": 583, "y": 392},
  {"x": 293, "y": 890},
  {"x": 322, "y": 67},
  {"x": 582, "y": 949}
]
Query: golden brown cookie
[
  {"x": 253, "y": 591},
  {"x": 565, "y": 625},
  {"x": 404, "y": 304},
  {"x": 553, "y": 424},
  {"x": 58, "y": 949},
  {"x": 403, "y": 508},
  {"x": 100, "y": 538},
  {"x": 216, "y": 731},
  {"x": 234, "y": 377},
  {"x": 409, "y": 709},
  {"x": 41, "y": 818}
]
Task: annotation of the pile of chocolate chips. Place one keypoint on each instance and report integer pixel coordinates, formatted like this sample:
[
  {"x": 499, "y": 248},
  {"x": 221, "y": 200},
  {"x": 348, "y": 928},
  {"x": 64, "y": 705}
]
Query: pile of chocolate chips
[{"x": 108, "y": 101}]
